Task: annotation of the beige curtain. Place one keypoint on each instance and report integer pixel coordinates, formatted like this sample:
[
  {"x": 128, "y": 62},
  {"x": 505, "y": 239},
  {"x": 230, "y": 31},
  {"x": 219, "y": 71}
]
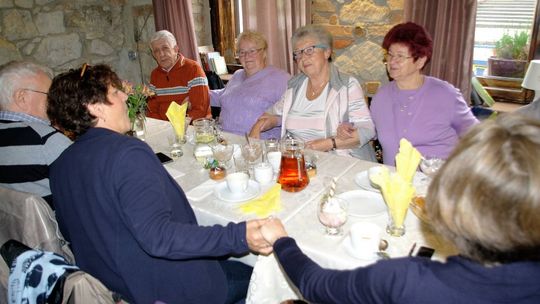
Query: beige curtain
[
  {"x": 177, "y": 17},
  {"x": 277, "y": 20},
  {"x": 451, "y": 24}
]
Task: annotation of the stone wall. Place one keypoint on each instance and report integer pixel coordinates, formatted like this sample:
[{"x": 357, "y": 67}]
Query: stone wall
[
  {"x": 64, "y": 34},
  {"x": 358, "y": 27}
]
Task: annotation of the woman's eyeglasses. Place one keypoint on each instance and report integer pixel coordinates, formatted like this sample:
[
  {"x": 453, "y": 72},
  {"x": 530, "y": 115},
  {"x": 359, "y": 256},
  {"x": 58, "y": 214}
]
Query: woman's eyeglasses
[
  {"x": 250, "y": 52},
  {"x": 398, "y": 58},
  {"x": 307, "y": 51}
]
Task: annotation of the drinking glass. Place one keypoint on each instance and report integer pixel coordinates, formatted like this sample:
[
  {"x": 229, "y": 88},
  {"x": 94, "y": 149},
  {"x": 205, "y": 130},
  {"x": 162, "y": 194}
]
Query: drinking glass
[
  {"x": 175, "y": 145},
  {"x": 430, "y": 165},
  {"x": 332, "y": 212},
  {"x": 251, "y": 152},
  {"x": 223, "y": 153}
]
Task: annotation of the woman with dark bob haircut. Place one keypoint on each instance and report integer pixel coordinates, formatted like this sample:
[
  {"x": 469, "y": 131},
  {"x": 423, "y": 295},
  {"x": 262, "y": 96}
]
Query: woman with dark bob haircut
[
  {"x": 485, "y": 200},
  {"x": 129, "y": 223},
  {"x": 427, "y": 111}
]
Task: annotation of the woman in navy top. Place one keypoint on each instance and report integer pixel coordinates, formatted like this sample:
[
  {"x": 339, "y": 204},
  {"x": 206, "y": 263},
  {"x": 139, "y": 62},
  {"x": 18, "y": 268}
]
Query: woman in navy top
[{"x": 485, "y": 200}]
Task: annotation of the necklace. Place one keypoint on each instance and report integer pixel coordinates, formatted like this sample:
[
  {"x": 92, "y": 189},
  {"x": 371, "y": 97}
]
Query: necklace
[{"x": 316, "y": 91}]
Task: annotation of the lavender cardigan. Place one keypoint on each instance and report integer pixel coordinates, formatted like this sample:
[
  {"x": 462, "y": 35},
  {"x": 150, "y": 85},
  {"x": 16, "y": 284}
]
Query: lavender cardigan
[
  {"x": 432, "y": 118},
  {"x": 245, "y": 99}
]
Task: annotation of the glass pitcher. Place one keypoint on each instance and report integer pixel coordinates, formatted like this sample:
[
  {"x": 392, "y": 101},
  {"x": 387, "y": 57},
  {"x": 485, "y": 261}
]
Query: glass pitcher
[
  {"x": 292, "y": 174},
  {"x": 204, "y": 130}
]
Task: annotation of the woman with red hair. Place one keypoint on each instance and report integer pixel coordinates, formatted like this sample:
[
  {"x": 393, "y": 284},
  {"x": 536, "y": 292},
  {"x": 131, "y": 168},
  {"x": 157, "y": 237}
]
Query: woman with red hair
[{"x": 427, "y": 111}]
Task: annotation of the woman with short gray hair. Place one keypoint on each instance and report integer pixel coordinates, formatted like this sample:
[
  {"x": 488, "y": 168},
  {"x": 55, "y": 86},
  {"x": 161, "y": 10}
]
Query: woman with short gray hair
[{"x": 319, "y": 100}]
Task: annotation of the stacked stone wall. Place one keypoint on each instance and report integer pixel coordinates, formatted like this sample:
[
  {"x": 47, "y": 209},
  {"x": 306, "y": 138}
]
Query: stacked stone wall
[
  {"x": 64, "y": 34},
  {"x": 358, "y": 27}
]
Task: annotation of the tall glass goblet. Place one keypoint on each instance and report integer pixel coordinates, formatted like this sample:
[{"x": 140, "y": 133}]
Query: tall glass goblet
[
  {"x": 332, "y": 212},
  {"x": 223, "y": 153},
  {"x": 252, "y": 152},
  {"x": 430, "y": 165}
]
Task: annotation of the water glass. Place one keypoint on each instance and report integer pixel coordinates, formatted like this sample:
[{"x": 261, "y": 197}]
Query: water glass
[
  {"x": 430, "y": 165},
  {"x": 175, "y": 145}
]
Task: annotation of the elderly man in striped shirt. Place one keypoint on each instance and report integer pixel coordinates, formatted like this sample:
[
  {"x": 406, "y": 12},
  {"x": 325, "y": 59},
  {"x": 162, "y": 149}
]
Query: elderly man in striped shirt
[
  {"x": 177, "y": 79},
  {"x": 28, "y": 143}
]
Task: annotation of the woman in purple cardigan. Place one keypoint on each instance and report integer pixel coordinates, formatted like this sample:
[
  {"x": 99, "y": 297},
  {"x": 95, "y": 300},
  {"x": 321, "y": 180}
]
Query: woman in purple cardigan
[
  {"x": 485, "y": 200},
  {"x": 427, "y": 111},
  {"x": 251, "y": 90}
]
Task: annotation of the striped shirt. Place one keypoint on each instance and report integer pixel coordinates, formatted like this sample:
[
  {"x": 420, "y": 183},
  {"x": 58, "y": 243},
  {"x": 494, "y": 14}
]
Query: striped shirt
[
  {"x": 186, "y": 79},
  {"x": 28, "y": 146}
]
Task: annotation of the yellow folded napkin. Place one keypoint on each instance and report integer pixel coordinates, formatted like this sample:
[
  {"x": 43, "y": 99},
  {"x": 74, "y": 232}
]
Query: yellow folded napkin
[
  {"x": 397, "y": 193},
  {"x": 407, "y": 160},
  {"x": 264, "y": 205},
  {"x": 177, "y": 116}
]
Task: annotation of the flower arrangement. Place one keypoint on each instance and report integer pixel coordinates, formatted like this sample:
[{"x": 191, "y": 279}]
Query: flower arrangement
[{"x": 137, "y": 98}]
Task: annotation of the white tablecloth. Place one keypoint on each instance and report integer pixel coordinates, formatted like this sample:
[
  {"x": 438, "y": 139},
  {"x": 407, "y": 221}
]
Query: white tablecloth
[{"x": 268, "y": 283}]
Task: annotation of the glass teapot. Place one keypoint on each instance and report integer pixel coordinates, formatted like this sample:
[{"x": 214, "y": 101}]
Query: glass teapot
[
  {"x": 292, "y": 174},
  {"x": 204, "y": 130}
]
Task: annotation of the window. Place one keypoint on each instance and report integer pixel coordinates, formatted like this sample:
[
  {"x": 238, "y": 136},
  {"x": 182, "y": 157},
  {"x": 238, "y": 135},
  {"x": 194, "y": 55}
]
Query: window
[{"x": 503, "y": 24}]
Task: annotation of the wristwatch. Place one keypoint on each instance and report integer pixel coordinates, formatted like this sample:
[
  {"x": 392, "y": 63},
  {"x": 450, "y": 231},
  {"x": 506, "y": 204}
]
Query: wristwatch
[{"x": 334, "y": 146}]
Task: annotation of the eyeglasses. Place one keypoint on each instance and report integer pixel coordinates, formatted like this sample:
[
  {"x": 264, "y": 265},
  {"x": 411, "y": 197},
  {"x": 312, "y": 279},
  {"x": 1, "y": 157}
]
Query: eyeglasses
[
  {"x": 308, "y": 51},
  {"x": 36, "y": 91},
  {"x": 398, "y": 58},
  {"x": 250, "y": 52}
]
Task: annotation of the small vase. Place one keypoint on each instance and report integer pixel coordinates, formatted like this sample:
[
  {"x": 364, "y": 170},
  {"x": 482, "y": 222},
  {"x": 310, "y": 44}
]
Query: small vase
[{"x": 138, "y": 126}]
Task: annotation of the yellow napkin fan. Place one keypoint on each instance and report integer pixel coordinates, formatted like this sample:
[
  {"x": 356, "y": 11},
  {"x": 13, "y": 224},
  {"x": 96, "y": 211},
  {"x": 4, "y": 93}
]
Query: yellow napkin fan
[
  {"x": 397, "y": 188},
  {"x": 264, "y": 205},
  {"x": 177, "y": 116},
  {"x": 407, "y": 160}
]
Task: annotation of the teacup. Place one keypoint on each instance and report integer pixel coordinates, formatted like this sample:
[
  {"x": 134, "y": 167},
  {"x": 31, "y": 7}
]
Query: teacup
[
  {"x": 263, "y": 173},
  {"x": 237, "y": 182},
  {"x": 365, "y": 239}
]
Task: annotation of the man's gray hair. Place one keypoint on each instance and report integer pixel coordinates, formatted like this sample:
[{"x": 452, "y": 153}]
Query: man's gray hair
[
  {"x": 13, "y": 74},
  {"x": 164, "y": 34}
]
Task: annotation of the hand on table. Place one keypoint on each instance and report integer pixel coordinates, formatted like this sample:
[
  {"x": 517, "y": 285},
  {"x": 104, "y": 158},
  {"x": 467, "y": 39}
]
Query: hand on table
[
  {"x": 255, "y": 240},
  {"x": 272, "y": 230}
]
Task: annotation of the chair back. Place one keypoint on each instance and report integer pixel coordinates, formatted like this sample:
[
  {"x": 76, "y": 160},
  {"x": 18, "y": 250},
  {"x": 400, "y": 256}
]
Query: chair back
[{"x": 27, "y": 218}]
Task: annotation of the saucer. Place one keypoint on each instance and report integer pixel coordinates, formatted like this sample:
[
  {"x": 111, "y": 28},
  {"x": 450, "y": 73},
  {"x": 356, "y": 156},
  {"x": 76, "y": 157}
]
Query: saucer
[
  {"x": 222, "y": 192},
  {"x": 364, "y": 203},
  {"x": 350, "y": 250},
  {"x": 420, "y": 180}
]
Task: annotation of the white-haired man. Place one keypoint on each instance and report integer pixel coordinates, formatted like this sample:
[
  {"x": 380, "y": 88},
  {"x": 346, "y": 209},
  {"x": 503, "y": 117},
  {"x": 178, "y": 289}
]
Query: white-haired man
[
  {"x": 28, "y": 143},
  {"x": 177, "y": 79}
]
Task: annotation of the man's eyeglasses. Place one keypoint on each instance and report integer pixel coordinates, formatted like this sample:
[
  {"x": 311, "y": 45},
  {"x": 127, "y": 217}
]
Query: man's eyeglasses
[
  {"x": 398, "y": 58},
  {"x": 36, "y": 91},
  {"x": 308, "y": 51},
  {"x": 250, "y": 52}
]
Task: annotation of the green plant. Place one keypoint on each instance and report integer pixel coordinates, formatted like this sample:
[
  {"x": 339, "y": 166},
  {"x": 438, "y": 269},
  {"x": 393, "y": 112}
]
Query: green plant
[
  {"x": 513, "y": 47},
  {"x": 137, "y": 98}
]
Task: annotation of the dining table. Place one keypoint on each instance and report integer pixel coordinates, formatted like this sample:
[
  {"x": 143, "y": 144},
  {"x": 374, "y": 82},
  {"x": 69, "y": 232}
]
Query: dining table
[{"x": 298, "y": 213}]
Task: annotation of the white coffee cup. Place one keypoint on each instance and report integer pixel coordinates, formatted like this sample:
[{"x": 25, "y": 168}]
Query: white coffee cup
[
  {"x": 237, "y": 182},
  {"x": 263, "y": 173},
  {"x": 274, "y": 158},
  {"x": 365, "y": 239}
]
